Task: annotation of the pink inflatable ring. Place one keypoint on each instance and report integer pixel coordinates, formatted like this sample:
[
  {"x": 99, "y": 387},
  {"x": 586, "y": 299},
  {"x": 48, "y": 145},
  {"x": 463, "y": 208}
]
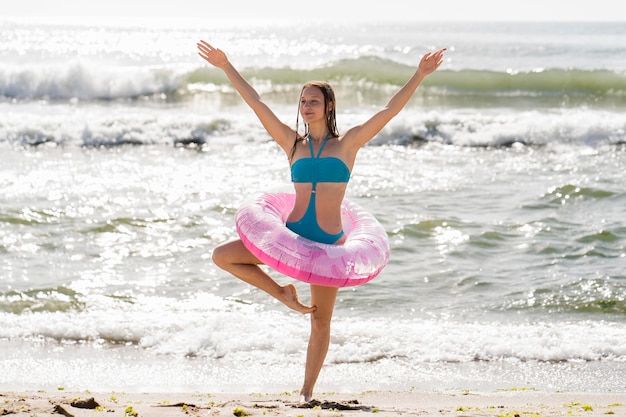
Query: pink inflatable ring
[{"x": 261, "y": 227}]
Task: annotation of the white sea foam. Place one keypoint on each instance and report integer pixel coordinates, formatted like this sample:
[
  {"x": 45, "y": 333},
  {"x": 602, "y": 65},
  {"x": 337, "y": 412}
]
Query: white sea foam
[
  {"x": 110, "y": 126},
  {"x": 209, "y": 326},
  {"x": 217, "y": 340}
]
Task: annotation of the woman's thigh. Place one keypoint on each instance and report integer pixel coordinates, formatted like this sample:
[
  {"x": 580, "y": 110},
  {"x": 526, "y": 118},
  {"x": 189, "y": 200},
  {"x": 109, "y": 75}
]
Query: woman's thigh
[{"x": 234, "y": 252}]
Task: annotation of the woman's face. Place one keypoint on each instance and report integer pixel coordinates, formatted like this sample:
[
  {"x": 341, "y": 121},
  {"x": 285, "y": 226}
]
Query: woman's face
[{"x": 312, "y": 105}]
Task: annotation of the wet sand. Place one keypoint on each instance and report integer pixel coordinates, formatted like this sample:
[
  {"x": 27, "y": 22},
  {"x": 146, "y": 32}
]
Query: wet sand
[{"x": 508, "y": 403}]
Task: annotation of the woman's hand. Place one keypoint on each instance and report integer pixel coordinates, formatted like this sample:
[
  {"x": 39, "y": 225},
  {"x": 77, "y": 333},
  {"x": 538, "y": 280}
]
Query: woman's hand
[
  {"x": 431, "y": 61},
  {"x": 212, "y": 55}
]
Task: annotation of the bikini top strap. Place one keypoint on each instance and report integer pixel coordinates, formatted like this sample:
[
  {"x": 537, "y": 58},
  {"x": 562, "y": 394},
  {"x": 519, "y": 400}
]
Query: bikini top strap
[
  {"x": 323, "y": 144},
  {"x": 314, "y": 183},
  {"x": 321, "y": 147}
]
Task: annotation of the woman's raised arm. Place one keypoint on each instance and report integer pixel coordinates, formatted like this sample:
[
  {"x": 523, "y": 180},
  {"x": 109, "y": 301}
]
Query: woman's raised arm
[
  {"x": 361, "y": 134},
  {"x": 281, "y": 132}
]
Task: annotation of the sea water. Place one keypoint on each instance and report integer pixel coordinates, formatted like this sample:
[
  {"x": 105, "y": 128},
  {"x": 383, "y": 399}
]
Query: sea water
[{"x": 124, "y": 157}]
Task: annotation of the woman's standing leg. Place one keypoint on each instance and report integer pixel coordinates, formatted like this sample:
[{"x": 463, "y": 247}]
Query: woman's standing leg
[
  {"x": 323, "y": 298},
  {"x": 235, "y": 258}
]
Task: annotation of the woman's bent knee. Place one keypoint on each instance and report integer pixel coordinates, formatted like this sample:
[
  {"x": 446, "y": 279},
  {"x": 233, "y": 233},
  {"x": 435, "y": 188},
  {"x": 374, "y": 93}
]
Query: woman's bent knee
[
  {"x": 233, "y": 253},
  {"x": 219, "y": 256}
]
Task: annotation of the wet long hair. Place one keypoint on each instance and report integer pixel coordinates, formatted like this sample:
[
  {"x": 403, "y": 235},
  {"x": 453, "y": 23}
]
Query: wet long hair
[{"x": 331, "y": 119}]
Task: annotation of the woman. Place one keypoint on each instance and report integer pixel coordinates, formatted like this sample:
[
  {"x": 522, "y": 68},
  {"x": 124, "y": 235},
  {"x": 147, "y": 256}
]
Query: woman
[{"x": 316, "y": 214}]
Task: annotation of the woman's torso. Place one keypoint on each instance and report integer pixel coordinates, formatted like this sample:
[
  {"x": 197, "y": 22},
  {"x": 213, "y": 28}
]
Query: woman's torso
[{"x": 329, "y": 195}]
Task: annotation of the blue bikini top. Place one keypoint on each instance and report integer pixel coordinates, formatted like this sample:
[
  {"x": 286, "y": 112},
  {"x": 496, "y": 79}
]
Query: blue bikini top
[{"x": 316, "y": 169}]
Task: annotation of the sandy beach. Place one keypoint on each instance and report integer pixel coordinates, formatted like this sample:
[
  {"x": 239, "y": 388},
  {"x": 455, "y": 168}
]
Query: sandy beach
[{"x": 507, "y": 403}]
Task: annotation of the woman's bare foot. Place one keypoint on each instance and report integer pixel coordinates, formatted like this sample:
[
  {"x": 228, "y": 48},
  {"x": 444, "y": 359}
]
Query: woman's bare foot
[
  {"x": 290, "y": 298},
  {"x": 304, "y": 398}
]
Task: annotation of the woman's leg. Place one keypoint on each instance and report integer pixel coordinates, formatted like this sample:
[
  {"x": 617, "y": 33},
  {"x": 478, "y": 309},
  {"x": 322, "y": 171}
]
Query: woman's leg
[
  {"x": 324, "y": 299},
  {"x": 235, "y": 258}
]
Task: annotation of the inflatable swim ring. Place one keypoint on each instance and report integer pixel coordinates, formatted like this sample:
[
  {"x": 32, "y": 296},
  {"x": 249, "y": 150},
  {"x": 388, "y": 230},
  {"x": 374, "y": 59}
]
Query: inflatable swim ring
[{"x": 261, "y": 227}]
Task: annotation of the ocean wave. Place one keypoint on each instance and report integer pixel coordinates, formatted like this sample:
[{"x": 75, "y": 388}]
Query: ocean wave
[
  {"x": 59, "y": 299},
  {"x": 205, "y": 327},
  {"x": 85, "y": 81},
  {"x": 88, "y": 81},
  {"x": 383, "y": 71},
  {"x": 567, "y": 191},
  {"x": 583, "y": 296},
  {"x": 492, "y": 128}
]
